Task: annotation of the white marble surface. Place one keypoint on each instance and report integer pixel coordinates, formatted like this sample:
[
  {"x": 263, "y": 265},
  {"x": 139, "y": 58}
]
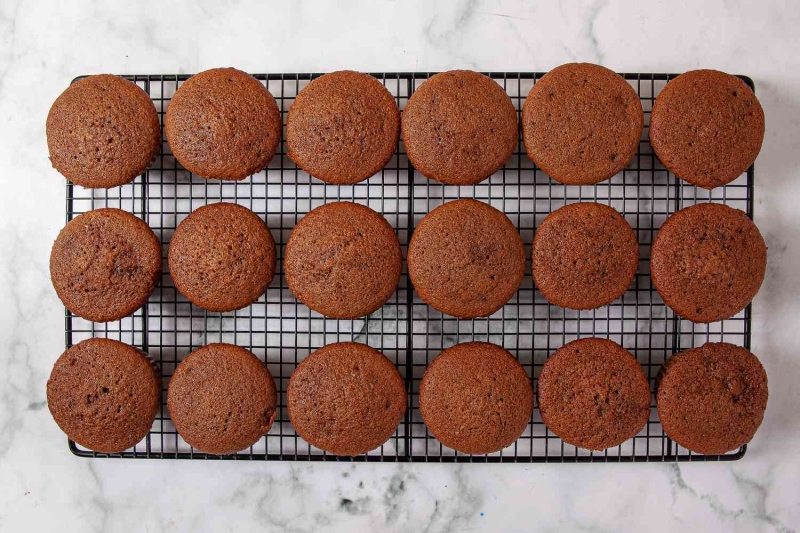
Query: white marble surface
[{"x": 44, "y": 45}]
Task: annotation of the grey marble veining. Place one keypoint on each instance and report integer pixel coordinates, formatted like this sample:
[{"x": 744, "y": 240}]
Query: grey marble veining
[{"x": 43, "y": 45}]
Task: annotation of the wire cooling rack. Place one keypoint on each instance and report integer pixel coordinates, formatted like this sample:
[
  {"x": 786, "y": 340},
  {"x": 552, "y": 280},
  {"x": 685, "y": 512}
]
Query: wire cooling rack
[{"x": 282, "y": 332}]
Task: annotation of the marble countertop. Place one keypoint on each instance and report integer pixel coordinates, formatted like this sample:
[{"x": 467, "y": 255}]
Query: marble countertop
[{"x": 43, "y": 45}]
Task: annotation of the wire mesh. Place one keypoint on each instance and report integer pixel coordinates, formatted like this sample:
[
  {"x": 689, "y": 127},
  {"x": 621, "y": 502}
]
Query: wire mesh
[{"x": 282, "y": 332}]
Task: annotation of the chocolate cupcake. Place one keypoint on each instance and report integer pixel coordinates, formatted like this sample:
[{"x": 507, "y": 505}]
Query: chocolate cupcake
[
  {"x": 223, "y": 124},
  {"x": 466, "y": 259},
  {"x": 104, "y": 394},
  {"x": 222, "y": 257},
  {"x": 459, "y": 127},
  {"x": 105, "y": 264},
  {"x": 712, "y": 399},
  {"x": 343, "y": 260},
  {"x": 346, "y": 398},
  {"x": 593, "y": 394},
  {"x": 581, "y": 123},
  {"x": 707, "y": 127},
  {"x": 343, "y": 127},
  {"x": 476, "y": 398},
  {"x": 222, "y": 399},
  {"x": 102, "y": 132},
  {"x": 584, "y": 256},
  {"x": 708, "y": 261}
]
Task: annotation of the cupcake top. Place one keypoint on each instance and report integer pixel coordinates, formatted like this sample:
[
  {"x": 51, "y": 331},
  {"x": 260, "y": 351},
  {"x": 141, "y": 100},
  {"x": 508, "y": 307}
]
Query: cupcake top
[
  {"x": 104, "y": 394},
  {"x": 466, "y": 259},
  {"x": 223, "y": 124},
  {"x": 581, "y": 123},
  {"x": 222, "y": 257},
  {"x": 343, "y": 127},
  {"x": 712, "y": 399},
  {"x": 707, "y": 127},
  {"x": 708, "y": 262},
  {"x": 459, "y": 127},
  {"x": 346, "y": 398},
  {"x": 102, "y": 131},
  {"x": 222, "y": 399},
  {"x": 593, "y": 394},
  {"x": 343, "y": 260},
  {"x": 476, "y": 398},
  {"x": 105, "y": 264},
  {"x": 584, "y": 255}
]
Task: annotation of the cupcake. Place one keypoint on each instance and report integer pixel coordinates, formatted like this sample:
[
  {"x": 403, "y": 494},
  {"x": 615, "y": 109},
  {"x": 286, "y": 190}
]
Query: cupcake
[
  {"x": 104, "y": 394},
  {"x": 343, "y": 127},
  {"x": 343, "y": 260},
  {"x": 593, "y": 394},
  {"x": 223, "y": 124},
  {"x": 222, "y": 399},
  {"x": 346, "y": 398},
  {"x": 584, "y": 256},
  {"x": 476, "y": 398},
  {"x": 105, "y": 264},
  {"x": 707, "y": 127},
  {"x": 712, "y": 399},
  {"x": 102, "y": 132},
  {"x": 708, "y": 262},
  {"x": 466, "y": 259},
  {"x": 581, "y": 123},
  {"x": 222, "y": 257},
  {"x": 459, "y": 127}
]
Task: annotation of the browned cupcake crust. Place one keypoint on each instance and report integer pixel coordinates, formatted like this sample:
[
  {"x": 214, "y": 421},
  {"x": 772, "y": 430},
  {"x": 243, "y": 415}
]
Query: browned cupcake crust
[
  {"x": 707, "y": 127},
  {"x": 222, "y": 257},
  {"x": 593, "y": 394},
  {"x": 343, "y": 127},
  {"x": 476, "y": 398},
  {"x": 712, "y": 399},
  {"x": 102, "y": 131},
  {"x": 223, "y": 124},
  {"x": 104, "y": 394},
  {"x": 459, "y": 127},
  {"x": 708, "y": 262},
  {"x": 584, "y": 256},
  {"x": 105, "y": 264},
  {"x": 581, "y": 123},
  {"x": 222, "y": 399},
  {"x": 343, "y": 260},
  {"x": 346, "y": 398},
  {"x": 466, "y": 259}
]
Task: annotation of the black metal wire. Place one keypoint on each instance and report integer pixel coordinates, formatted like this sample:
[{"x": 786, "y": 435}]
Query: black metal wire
[{"x": 281, "y": 331}]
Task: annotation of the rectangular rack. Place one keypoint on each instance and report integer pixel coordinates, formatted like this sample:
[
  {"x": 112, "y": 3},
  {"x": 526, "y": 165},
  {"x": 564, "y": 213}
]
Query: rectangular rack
[{"x": 282, "y": 332}]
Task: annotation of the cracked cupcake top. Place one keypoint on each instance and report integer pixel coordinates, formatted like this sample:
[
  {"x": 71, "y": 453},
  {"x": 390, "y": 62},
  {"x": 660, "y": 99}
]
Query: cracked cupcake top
[
  {"x": 712, "y": 399},
  {"x": 343, "y": 260}
]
